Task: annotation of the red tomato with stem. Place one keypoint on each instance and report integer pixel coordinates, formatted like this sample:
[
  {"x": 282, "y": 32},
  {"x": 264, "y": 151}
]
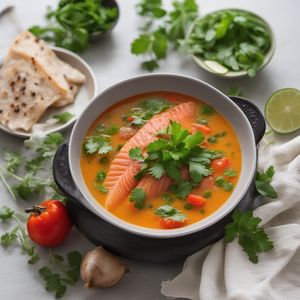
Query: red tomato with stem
[{"x": 49, "y": 223}]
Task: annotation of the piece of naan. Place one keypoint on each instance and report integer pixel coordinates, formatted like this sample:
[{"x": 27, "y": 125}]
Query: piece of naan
[{"x": 32, "y": 79}]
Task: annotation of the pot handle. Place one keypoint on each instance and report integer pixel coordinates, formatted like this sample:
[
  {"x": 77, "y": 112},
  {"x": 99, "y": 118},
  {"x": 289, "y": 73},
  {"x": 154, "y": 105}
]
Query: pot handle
[
  {"x": 62, "y": 174},
  {"x": 254, "y": 116}
]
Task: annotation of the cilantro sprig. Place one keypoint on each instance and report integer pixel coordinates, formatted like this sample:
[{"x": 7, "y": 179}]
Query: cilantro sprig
[
  {"x": 177, "y": 149},
  {"x": 34, "y": 181},
  {"x": 263, "y": 183},
  {"x": 174, "y": 23},
  {"x": 252, "y": 238},
  {"x": 18, "y": 234},
  {"x": 145, "y": 110},
  {"x": 63, "y": 117},
  {"x": 138, "y": 197},
  {"x": 169, "y": 212}
]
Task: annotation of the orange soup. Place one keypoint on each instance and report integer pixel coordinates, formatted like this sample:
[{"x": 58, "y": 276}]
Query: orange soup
[{"x": 161, "y": 160}]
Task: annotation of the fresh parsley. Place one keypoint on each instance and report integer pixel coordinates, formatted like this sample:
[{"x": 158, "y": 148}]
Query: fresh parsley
[
  {"x": 263, "y": 183},
  {"x": 237, "y": 40},
  {"x": 251, "y": 236},
  {"x": 234, "y": 91},
  {"x": 58, "y": 273},
  {"x": 100, "y": 176},
  {"x": 169, "y": 212},
  {"x": 110, "y": 130},
  {"x": 17, "y": 234},
  {"x": 13, "y": 160},
  {"x": 101, "y": 188},
  {"x": 97, "y": 144},
  {"x": 145, "y": 110},
  {"x": 225, "y": 184},
  {"x": 215, "y": 138},
  {"x": 230, "y": 173},
  {"x": 151, "y": 9},
  {"x": 138, "y": 197},
  {"x": 207, "y": 110},
  {"x": 63, "y": 117}
]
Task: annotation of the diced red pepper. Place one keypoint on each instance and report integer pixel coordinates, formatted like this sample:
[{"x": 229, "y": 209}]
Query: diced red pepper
[
  {"x": 196, "y": 200},
  {"x": 200, "y": 127},
  {"x": 130, "y": 118},
  {"x": 171, "y": 224},
  {"x": 220, "y": 164}
]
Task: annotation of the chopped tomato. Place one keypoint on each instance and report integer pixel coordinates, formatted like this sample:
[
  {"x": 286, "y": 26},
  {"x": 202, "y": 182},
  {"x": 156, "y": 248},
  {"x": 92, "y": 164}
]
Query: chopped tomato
[
  {"x": 172, "y": 99},
  {"x": 170, "y": 223},
  {"x": 200, "y": 127},
  {"x": 220, "y": 164},
  {"x": 196, "y": 200},
  {"x": 130, "y": 118}
]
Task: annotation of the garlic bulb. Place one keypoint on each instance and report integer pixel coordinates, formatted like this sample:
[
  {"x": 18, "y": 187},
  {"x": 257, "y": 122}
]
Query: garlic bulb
[{"x": 100, "y": 269}]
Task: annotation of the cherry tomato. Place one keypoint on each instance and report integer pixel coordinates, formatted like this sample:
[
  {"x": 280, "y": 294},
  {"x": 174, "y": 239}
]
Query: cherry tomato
[
  {"x": 170, "y": 223},
  {"x": 130, "y": 119},
  {"x": 200, "y": 127},
  {"x": 196, "y": 200},
  {"x": 49, "y": 223},
  {"x": 220, "y": 164}
]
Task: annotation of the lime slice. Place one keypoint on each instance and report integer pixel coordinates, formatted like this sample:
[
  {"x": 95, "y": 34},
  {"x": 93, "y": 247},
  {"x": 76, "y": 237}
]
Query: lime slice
[
  {"x": 216, "y": 67},
  {"x": 282, "y": 110}
]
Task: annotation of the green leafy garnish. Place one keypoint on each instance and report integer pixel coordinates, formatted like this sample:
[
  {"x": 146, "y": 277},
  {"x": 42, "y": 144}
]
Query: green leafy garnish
[
  {"x": 207, "y": 194},
  {"x": 173, "y": 26},
  {"x": 177, "y": 149},
  {"x": 169, "y": 212},
  {"x": 207, "y": 110},
  {"x": 262, "y": 183},
  {"x": 167, "y": 198},
  {"x": 230, "y": 173},
  {"x": 151, "y": 9},
  {"x": 17, "y": 234},
  {"x": 97, "y": 144},
  {"x": 104, "y": 160},
  {"x": 251, "y": 236},
  {"x": 13, "y": 160},
  {"x": 63, "y": 117},
  {"x": 50, "y": 144},
  {"x": 68, "y": 273},
  {"x": 237, "y": 40},
  {"x": 153, "y": 45},
  {"x": 138, "y": 197},
  {"x": 145, "y": 110},
  {"x": 73, "y": 22},
  {"x": 100, "y": 176},
  {"x": 101, "y": 188},
  {"x": 214, "y": 138},
  {"x": 111, "y": 130},
  {"x": 226, "y": 185}
]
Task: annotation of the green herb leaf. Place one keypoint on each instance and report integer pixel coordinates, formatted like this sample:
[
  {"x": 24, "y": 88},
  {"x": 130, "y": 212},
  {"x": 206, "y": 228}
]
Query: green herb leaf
[
  {"x": 182, "y": 189},
  {"x": 157, "y": 171},
  {"x": 100, "y": 176},
  {"x": 252, "y": 237},
  {"x": 207, "y": 110},
  {"x": 234, "y": 91},
  {"x": 226, "y": 185},
  {"x": 262, "y": 183},
  {"x": 138, "y": 197},
  {"x": 8, "y": 238},
  {"x": 13, "y": 160},
  {"x": 6, "y": 213},
  {"x": 230, "y": 173},
  {"x": 101, "y": 188},
  {"x": 50, "y": 144},
  {"x": 96, "y": 144},
  {"x": 136, "y": 154},
  {"x": 169, "y": 212},
  {"x": 63, "y": 117},
  {"x": 151, "y": 9},
  {"x": 111, "y": 130}
]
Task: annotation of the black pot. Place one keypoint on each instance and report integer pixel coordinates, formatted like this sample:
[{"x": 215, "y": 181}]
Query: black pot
[{"x": 139, "y": 247}]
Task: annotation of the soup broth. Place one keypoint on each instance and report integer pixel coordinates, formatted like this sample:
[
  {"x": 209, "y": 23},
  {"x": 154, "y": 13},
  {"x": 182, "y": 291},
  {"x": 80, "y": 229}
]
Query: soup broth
[{"x": 198, "y": 193}]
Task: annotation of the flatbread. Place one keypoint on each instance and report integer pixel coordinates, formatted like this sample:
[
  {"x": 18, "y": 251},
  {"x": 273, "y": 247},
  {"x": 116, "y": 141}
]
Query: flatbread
[{"x": 25, "y": 94}]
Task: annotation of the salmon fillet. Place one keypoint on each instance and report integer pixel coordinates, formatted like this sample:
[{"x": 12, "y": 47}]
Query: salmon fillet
[
  {"x": 120, "y": 165},
  {"x": 155, "y": 187}
]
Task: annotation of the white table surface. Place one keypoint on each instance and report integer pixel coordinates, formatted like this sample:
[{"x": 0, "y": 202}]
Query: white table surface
[{"x": 111, "y": 61}]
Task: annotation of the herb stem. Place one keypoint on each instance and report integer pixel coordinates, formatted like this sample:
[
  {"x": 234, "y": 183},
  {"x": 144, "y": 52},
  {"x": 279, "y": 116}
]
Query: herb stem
[
  {"x": 11, "y": 174},
  {"x": 7, "y": 186}
]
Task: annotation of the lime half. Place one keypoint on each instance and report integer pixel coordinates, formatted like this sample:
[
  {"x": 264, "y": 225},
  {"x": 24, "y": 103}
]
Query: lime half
[{"x": 282, "y": 110}]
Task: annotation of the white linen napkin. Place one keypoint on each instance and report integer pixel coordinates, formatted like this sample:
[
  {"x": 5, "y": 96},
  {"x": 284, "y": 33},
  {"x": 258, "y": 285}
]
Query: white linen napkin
[{"x": 223, "y": 271}]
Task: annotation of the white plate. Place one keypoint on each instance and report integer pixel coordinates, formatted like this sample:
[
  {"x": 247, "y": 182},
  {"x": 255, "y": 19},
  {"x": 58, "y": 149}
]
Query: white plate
[{"x": 86, "y": 93}]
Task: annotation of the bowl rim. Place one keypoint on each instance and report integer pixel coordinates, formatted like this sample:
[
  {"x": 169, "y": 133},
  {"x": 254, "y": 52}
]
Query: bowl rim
[
  {"x": 236, "y": 74},
  {"x": 62, "y": 127},
  {"x": 90, "y": 202}
]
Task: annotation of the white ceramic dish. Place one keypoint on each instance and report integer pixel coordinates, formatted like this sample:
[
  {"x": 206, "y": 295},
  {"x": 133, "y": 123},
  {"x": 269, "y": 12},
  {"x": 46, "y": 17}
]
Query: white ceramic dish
[
  {"x": 201, "y": 62},
  {"x": 179, "y": 84},
  {"x": 87, "y": 92}
]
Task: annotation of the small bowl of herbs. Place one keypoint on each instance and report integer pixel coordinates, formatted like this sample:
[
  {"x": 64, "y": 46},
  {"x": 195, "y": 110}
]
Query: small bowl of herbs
[
  {"x": 73, "y": 24},
  {"x": 230, "y": 43}
]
